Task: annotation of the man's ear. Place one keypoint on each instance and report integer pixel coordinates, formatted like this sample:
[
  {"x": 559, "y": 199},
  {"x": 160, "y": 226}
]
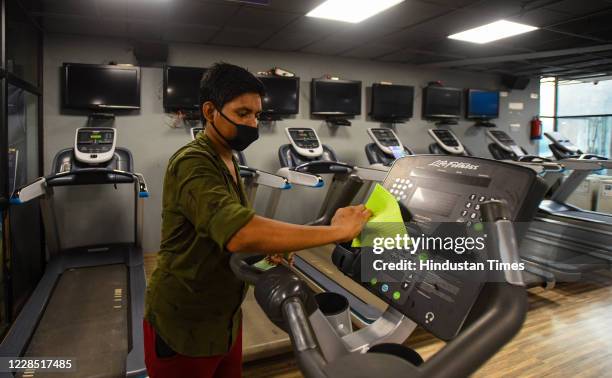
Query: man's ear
[{"x": 208, "y": 110}]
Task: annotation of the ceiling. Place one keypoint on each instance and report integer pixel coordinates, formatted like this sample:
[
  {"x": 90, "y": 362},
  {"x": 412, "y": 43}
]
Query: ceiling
[{"x": 574, "y": 39}]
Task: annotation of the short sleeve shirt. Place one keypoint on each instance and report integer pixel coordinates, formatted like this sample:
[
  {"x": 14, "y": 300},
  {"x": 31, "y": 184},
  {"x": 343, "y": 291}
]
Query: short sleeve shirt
[{"x": 193, "y": 298}]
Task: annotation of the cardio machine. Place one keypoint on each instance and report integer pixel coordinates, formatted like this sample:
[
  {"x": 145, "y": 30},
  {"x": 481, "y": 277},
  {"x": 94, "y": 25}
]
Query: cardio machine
[
  {"x": 306, "y": 154},
  {"x": 89, "y": 304},
  {"x": 446, "y": 143},
  {"x": 386, "y": 147},
  {"x": 476, "y": 317},
  {"x": 547, "y": 247},
  {"x": 505, "y": 148}
]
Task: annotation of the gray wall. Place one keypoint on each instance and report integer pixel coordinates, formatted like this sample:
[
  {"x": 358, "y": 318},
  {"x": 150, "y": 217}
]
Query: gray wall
[{"x": 152, "y": 141}]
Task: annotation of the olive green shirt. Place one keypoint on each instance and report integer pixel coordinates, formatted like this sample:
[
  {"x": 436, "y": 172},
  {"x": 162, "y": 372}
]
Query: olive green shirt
[{"x": 193, "y": 298}]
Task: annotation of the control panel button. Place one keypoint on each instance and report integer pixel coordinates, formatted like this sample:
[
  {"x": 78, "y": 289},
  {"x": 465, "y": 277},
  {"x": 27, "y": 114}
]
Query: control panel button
[
  {"x": 477, "y": 207},
  {"x": 464, "y": 213},
  {"x": 473, "y": 197},
  {"x": 384, "y": 288},
  {"x": 429, "y": 317},
  {"x": 405, "y": 285},
  {"x": 473, "y": 216},
  {"x": 396, "y": 295},
  {"x": 468, "y": 205},
  {"x": 482, "y": 198}
]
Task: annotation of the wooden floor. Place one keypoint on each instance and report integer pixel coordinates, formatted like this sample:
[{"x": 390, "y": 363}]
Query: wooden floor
[{"x": 568, "y": 333}]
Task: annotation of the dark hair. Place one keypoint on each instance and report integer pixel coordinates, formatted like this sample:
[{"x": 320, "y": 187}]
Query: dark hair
[{"x": 223, "y": 82}]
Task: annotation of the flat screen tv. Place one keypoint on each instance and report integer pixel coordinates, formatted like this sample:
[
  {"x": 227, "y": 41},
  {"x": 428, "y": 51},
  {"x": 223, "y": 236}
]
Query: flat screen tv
[
  {"x": 482, "y": 104},
  {"x": 182, "y": 88},
  {"x": 441, "y": 102},
  {"x": 282, "y": 95},
  {"x": 392, "y": 102},
  {"x": 92, "y": 86},
  {"x": 335, "y": 97}
]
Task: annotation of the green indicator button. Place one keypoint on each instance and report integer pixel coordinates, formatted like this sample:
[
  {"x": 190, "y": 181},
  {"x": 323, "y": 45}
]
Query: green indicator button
[
  {"x": 396, "y": 295},
  {"x": 478, "y": 227},
  {"x": 423, "y": 256},
  {"x": 373, "y": 281}
]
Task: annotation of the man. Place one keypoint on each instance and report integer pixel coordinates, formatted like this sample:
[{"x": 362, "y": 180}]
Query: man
[{"x": 193, "y": 320}]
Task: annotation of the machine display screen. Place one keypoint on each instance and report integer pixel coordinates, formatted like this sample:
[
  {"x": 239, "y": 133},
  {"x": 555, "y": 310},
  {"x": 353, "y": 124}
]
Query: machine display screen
[
  {"x": 340, "y": 97},
  {"x": 433, "y": 201},
  {"x": 441, "y": 102},
  {"x": 480, "y": 181},
  {"x": 88, "y": 86},
  {"x": 305, "y": 135},
  {"x": 483, "y": 104},
  {"x": 385, "y": 137},
  {"x": 182, "y": 87},
  {"x": 446, "y": 137},
  {"x": 281, "y": 95},
  {"x": 392, "y": 101},
  {"x": 100, "y": 137}
]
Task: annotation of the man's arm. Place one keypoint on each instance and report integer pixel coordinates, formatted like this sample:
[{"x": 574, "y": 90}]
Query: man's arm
[{"x": 268, "y": 236}]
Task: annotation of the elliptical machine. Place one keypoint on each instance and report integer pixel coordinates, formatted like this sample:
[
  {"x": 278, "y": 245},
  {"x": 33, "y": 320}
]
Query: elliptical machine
[{"x": 475, "y": 318}]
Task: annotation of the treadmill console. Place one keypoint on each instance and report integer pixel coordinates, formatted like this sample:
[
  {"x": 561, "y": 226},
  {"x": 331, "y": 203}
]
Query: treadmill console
[
  {"x": 504, "y": 141},
  {"x": 95, "y": 145},
  {"x": 562, "y": 142},
  {"x": 195, "y": 131},
  {"x": 305, "y": 141},
  {"x": 447, "y": 140},
  {"x": 437, "y": 189},
  {"x": 386, "y": 140}
]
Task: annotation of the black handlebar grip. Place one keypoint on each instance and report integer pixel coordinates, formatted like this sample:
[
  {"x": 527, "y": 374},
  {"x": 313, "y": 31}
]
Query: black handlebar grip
[
  {"x": 494, "y": 210},
  {"x": 277, "y": 285}
]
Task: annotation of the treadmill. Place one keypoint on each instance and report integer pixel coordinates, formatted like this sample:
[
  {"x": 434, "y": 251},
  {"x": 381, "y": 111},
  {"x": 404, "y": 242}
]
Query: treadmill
[
  {"x": 89, "y": 304},
  {"x": 545, "y": 251},
  {"x": 446, "y": 143},
  {"x": 306, "y": 154},
  {"x": 473, "y": 317},
  {"x": 386, "y": 147},
  {"x": 587, "y": 232}
]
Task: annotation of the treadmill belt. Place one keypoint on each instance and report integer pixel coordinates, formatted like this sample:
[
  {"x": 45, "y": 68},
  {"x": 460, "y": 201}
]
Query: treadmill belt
[{"x": 86, "y": 320}]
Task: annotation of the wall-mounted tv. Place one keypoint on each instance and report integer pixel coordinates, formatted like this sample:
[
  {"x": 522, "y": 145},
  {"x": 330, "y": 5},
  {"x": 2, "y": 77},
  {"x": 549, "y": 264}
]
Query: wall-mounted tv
[
  {"x": 392, "y": 102},
  {"x": 441, "y": 102},
  {"x": 282, "y": 95},
  {"x": 92, "y": 86},
  {"x": 182, "y": 88},
  {"x": 482, "y": 104},
  {"x": 335, "y": 97}
]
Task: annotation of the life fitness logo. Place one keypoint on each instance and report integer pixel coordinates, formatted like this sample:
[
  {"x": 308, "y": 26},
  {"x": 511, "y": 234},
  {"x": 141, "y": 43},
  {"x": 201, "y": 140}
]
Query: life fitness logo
[{"x": 453, "y": 164}]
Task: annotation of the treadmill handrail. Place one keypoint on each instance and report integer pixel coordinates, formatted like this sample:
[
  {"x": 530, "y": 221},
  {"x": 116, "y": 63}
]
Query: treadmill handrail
[
  {"x": 324, "y": 166},
  {"x": 301, "y": 178},
  {"x": 39, "y": 187},
  {"x": 578, "y": 164},
  {"x": 372, "y": 173},
  {"x": 265, "y": 178}
]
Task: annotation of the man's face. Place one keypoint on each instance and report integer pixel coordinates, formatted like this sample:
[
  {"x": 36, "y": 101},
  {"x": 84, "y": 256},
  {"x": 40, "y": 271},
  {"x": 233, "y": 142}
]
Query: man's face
[{"x": 244, "y": 109}]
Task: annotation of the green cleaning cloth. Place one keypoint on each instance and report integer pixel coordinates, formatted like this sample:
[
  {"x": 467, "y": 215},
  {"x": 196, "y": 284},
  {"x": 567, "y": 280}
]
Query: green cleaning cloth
[{"x": 386, "y": 220}]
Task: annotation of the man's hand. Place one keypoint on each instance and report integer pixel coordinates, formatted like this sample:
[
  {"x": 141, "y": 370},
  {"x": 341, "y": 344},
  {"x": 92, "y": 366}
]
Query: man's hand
[
  {"x": 277, "y": 259},
  {"x": 350, "y": 221}
]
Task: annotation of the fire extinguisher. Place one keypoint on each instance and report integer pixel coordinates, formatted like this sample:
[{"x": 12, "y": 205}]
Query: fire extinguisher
[{"x": 536, "y": 128}]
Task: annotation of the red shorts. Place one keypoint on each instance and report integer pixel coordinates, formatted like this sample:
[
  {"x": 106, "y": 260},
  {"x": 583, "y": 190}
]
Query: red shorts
[{"x": 228, "y": 365}]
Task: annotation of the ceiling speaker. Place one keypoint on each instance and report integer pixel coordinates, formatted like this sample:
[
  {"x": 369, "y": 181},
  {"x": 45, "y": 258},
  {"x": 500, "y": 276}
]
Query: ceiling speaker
[
  {"x": 151, "y": 52},
  {"x": 515, "y": 82}
]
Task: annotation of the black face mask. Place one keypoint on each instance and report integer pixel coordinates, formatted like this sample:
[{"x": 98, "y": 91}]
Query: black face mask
[{"x": 245, "y": 135}]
